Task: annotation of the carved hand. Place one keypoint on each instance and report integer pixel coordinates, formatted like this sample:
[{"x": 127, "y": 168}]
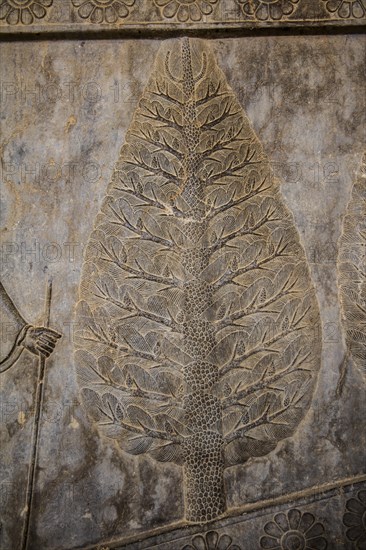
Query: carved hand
[{"x": 40, "y": 340}]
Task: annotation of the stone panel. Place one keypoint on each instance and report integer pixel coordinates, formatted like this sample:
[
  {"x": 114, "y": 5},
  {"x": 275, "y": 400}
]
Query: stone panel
[{"x": 246, "y": 203}]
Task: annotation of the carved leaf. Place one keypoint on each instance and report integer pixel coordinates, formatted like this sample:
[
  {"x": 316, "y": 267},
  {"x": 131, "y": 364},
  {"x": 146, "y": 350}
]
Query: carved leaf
[
  {"x": 196, "y": 311},
  {"x": 352, "y": 271}
]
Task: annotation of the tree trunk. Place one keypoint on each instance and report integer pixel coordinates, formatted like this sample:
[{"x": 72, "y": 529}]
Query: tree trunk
[
  {"x": 204, "y": 477},
  {"x": 203, "y": 468}
]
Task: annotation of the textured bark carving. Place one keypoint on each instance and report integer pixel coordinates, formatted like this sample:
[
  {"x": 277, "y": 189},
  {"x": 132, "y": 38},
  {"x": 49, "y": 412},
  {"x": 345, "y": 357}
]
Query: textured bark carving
[
  {"x": 197, "y": 313},
  {"x": 352, "y": 271}
]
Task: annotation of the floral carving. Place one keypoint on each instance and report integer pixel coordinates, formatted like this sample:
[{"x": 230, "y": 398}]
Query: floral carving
[
  {"x": 211, "y": 541},
  {"x": 185, "y": 10},
  {"x": 23, "y": 11},
  {"x": 294, "y": 531},
  {"x": 355, "y": 520},
  {"x": 264, "y": 10},
  {"x": 103, "y": 11},
  {"x": 346, "y": 8}
]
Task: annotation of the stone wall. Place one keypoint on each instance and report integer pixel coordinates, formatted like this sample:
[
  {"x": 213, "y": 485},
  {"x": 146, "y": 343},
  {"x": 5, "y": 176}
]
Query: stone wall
[{"x": 183, "y": 274}]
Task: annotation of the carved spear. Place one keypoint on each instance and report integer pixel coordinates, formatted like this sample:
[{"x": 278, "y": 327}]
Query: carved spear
[{"x": 31, "y": 482}]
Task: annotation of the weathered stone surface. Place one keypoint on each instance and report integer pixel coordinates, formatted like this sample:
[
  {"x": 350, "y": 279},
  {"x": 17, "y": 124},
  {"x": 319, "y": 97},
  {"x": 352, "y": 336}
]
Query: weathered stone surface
[
  {"x": 34, "y": 16},
  {"x": 67, "y": 107},
  {"x": 306, "y": 523},
  {"x": 352, "y": 273}
]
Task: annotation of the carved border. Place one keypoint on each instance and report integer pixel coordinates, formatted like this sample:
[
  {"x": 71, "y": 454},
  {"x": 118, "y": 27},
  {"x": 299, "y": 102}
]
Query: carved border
[
  {"x": 347, "y": 489},
  {"x": 44, "y": 16}
]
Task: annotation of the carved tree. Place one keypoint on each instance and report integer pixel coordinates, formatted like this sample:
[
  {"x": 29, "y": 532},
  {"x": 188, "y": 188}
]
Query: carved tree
[
  {"x": 352, "y": 271},
  {"x": 198, "y": 337}
]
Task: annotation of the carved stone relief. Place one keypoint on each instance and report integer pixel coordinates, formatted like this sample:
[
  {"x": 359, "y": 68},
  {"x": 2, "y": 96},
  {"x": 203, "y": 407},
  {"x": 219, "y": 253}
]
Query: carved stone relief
[
  {"x": 294, "y": 530},
  {"x": 346, "y": 10},
  {"x": 352, "y": 271},
  {"x": 103, "y": 12},
  {"x": 40, "y": 341},
  {"x": 196, "y": 341},
  {"x": 185, "y": 11},
  {"x": 69, "y": 15},
  {"x": 199, "y": 397},
  {"x": 211, "y": 541},
  {"x": 354, "y": 520},
  {"x": 264, "y": 11},
  {"x": 24, "y": 12},
  {"x": 307, "y": 526}
]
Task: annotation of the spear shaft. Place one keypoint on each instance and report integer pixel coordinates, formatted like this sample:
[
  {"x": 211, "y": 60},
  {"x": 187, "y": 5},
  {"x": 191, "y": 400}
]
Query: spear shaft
[{"x": 31, "y": 482}]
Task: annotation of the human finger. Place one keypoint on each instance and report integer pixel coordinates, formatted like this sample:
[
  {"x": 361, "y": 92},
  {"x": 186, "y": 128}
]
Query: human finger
[
  {"x": 47, "y": 340},
  {"x": 42, "y": 351},
  {"x": 49, "y": 347},
  {"x": 43, "y": 348},
  {"x": 49, "y": 332}
]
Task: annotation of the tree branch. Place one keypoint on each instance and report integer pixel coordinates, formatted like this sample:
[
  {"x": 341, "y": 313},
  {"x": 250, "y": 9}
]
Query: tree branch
[
  {"x": 253, "y": 265},
  {"x": 162, "y": 146},
  {"x": 233, "y": 203},
  {"x": 233, "y": 400},
  {"x": 158, "y": 170},
  {"x": 262, "y": 347},
  {"x": 224, "y": 116},
  {"x": 142, "y": 274},
  {"x": 252, "y": 310},
  {"x": 244, "y": 231},
  {"x": 232, "y": 172},
  {"x": 145, "y": 235},
  {"x": 265, "y": 418}
]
